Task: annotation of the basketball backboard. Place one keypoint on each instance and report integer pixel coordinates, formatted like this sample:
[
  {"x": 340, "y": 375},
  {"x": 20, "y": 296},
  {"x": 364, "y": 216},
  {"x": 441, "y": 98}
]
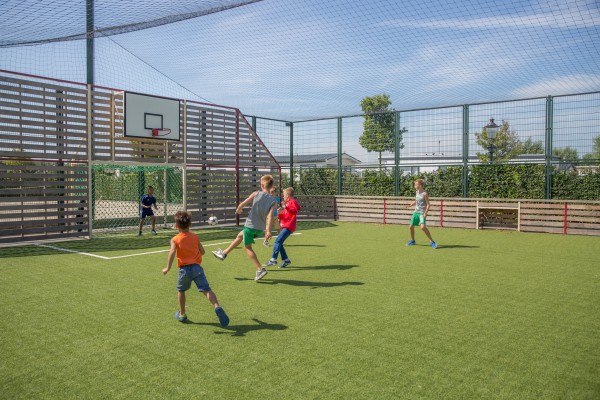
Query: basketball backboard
[{"x": 151, "y": 117}]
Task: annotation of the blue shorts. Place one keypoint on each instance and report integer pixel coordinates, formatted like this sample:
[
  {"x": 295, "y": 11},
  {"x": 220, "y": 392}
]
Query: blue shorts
[
  {"x": 189, "y": 273},
  {"x": 146, "y": 212}
]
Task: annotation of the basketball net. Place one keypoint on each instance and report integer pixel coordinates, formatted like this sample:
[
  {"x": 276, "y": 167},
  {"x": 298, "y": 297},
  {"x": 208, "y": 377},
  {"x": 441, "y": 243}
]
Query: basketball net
[{"x": 160, "y": 131}]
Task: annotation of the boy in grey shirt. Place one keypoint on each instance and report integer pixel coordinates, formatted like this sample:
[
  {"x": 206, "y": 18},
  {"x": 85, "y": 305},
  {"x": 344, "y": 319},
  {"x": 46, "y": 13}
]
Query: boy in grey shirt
[{"x": 259, "y": 221}]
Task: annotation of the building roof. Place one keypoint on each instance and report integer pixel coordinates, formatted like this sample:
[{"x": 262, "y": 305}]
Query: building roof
[{"x": 313, "y": 158}]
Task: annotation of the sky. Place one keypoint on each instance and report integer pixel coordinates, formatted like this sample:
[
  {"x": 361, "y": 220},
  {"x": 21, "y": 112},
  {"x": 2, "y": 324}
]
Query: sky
[{"x": 296, "y": 60}]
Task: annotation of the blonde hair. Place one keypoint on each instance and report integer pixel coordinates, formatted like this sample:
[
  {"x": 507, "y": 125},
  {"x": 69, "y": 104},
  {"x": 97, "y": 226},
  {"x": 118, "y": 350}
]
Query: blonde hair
[
  {"x": 289, "y": 191},
  {"x": 421, "y": 181},
  {"x": 267, "y": 181}
]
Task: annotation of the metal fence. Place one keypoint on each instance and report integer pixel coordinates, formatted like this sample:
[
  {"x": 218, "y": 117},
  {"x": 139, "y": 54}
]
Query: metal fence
[{"x": 547, "y": 148}]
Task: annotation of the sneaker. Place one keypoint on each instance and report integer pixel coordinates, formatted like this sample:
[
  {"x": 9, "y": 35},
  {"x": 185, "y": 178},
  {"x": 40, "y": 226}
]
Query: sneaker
[
  {"x": 153, "y": 232},
  {"x": 434, "y": 245},
  {"x": 223, "y": 318},
  {"x": 260, "y": 274},
  {"x": 140, "y": 233},
  {"x": 285, "y": 263},
  {"x": 181, "y": 318},
  {"x": 266, "y": 243},
  {"x": 270, "y": 263},
  {"x": 219, "y": 254},
  {"x": 411, "y": 243}
]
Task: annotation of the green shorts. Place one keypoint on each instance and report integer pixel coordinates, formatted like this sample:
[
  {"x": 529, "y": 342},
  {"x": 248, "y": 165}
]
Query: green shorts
[
  {"x": 418, "y": 219},
  {"x": 250, "y": 234}
]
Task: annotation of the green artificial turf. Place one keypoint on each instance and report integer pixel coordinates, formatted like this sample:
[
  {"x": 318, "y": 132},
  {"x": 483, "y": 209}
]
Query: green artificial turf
[{"x": 358, "y": 315}]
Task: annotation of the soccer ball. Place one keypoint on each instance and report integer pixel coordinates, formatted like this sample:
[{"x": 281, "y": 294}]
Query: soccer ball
[{"x": 213, "y": 220}]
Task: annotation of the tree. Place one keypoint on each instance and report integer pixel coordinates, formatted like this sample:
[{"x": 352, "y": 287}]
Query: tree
[
  {"x": 506, "y": 143},
  {"x": 595, "y": 154},
  {"x": 530, "y": 147},
  {"x": 566, "y": 153},
  {"x": 378, "y": 133}
]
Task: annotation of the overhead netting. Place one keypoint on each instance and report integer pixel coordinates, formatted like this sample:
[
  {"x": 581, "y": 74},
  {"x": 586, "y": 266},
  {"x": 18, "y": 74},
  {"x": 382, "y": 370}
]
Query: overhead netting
[{"x": 295, "y": 61}]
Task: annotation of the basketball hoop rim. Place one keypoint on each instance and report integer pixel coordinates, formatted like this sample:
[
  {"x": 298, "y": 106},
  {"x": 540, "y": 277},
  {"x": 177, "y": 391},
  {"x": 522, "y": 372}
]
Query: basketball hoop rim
[{"x": 155, "y": 131}]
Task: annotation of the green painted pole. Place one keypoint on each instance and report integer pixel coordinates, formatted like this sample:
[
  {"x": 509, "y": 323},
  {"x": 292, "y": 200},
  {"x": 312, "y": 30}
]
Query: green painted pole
[
  {"x": 396, "y": 153},
  {"x": 465, "y": 152},
  {"x": 89, "y": 28},
  {"x": 291, "y": 126},
  {"x": 549, "y": 147},
  {"x": 339, "y": 158}
]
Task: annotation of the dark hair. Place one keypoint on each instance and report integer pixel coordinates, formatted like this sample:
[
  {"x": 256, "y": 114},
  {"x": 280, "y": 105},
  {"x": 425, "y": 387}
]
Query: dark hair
[
  {"x": 183, "y": 219},
  {"x": 150, "y": 187}
]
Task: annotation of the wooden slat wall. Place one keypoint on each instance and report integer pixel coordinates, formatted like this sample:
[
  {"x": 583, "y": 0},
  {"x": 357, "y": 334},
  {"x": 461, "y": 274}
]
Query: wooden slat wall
[
  {"x": 210, "y": 135},
  {"x": 43, "y": 201},
  {"x": 316, "y": 207},
  {"x": 42, "y": 120},
  {"x": 550, "y": 216}
]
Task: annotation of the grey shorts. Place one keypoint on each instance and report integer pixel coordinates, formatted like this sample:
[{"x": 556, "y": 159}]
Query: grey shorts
[{"x": 192, "y": 273}]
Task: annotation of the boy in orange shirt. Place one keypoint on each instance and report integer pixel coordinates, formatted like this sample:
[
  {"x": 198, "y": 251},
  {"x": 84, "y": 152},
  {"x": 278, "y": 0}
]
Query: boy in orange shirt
[{"x": 189, "y": 251}]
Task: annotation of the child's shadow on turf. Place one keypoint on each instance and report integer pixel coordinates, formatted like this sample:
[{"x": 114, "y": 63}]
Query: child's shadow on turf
[
  {"x": 241, "y": 330},
  {"x": 312, "y": 285},
  {"x": 319, "y": 267},
  {"x": 455, "y": 246},
  {"x": 305, "y": 245}
]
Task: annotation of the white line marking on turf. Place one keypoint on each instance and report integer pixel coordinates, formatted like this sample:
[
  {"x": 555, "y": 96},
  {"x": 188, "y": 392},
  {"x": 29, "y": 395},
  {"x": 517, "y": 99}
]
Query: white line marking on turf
[
  {"x": 72, "y": 251},
  {"x": 131, "y": 255}
]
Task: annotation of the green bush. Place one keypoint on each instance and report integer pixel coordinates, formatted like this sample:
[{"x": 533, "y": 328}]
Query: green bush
[{"x": 505, "y": 181}]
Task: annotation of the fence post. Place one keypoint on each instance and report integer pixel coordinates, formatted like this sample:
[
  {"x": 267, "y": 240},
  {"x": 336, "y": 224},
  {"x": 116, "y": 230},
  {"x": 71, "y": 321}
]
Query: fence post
[
  {"x": 565, "y": 218},
  {"x": 334, "y": 208},
  {"x": 237, "y": 163},
  {"x": 90, "y": 171},
  {"x": 166, "y": 196},
  {"x": 384, "y": 211},
  {"x": 339, "y": 157},
  {"x": 465, "y": 152},
  {"x": 184, "y": 169},
  {"x": 90, "y": 41},
  {"x": 396, "y": 153},
  {"x": 291, "y": 126},
  {"x": 548, "y": 156}
]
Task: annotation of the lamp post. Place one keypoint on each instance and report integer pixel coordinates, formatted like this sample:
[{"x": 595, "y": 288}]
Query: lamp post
[{"x": 491, "y": 129}]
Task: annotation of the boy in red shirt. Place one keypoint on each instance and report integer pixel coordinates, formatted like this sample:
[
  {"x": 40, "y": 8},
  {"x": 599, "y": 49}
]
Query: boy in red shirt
[
  {"x": 186, "y": 245},
  {"x": 287, "y": 222}
]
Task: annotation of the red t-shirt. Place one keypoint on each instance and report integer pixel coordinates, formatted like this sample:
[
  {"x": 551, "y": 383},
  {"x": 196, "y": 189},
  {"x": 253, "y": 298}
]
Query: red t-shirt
[
  {"x": 188, "y": 249},
  {"x": 287, "y": 217}
]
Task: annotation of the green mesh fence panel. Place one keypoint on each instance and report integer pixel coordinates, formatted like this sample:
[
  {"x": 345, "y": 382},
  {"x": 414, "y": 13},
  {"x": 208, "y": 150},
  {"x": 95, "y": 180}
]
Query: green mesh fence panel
[
  {"x": 576, "y": 182},
  {"x": 117, "y": 190}
]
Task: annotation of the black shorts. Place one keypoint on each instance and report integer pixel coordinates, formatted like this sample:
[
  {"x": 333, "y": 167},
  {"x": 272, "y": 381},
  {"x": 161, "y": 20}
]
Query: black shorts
[{"x": 146, "y": 212}]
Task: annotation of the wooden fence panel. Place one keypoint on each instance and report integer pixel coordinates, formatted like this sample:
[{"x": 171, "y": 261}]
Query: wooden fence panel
[
  {"x": 41, "y": 201},
  {"x": 551, "y": 216}
]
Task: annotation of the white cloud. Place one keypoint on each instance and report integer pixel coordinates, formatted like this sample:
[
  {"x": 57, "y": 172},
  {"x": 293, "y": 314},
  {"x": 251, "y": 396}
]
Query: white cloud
[
  {"x": 567, "y": 16},
  {"x": 561, "y": 85}
]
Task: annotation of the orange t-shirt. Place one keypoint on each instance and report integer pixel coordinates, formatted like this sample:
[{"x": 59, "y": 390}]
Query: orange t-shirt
[{"x": 188, "y": 249}]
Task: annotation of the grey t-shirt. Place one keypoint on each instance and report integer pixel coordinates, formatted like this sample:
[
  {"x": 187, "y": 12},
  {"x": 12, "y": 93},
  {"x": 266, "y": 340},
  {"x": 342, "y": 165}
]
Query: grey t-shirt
[
  {"x": 420, "y": 203},
  {"x": 257, "y": 218}
]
